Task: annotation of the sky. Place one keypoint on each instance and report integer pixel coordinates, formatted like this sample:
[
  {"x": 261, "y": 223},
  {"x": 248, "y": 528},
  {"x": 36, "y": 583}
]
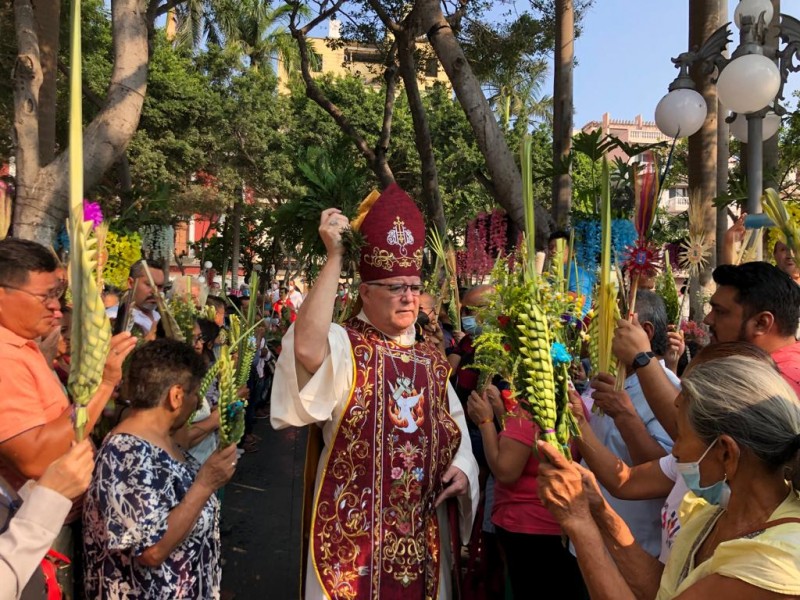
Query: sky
[{"x": 623, "y": 56}]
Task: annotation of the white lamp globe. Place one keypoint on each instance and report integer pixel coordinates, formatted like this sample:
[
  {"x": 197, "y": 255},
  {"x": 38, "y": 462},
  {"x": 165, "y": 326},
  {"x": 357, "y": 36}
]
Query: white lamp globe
[
  {"x": 771, "y": 124},
  {"x": 753, "y": 8},
  {"x": 748, "y": 83},
  {"x": 681, "y": 113},
  {"x": 208, "y": 264}
]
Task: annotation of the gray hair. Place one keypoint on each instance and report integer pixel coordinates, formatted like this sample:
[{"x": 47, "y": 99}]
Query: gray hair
[
  {"x": 749, "y": 401},
  {"x": 650, "y": 307}
]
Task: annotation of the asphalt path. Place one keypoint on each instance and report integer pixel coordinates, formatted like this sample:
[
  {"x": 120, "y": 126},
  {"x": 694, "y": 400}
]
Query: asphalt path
[{"x": 261, "y": 510}]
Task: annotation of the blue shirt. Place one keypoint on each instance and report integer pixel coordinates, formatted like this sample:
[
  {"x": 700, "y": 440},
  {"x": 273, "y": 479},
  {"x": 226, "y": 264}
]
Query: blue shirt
[{"x": 643, "y": 517}]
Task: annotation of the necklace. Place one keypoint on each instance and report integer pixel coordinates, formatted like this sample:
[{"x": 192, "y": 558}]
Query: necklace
[
  {"x": 710, "y": 543},
  {"x": 405, "y": 358}
]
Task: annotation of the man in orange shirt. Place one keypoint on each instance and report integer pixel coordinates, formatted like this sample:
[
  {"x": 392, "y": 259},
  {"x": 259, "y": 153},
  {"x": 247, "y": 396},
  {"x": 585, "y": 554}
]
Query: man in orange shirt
[{"x": 35, "y": 413}]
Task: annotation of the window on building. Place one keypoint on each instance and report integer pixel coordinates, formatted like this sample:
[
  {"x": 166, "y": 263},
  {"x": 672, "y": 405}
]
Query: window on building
[{"x": 365, "y": 57}]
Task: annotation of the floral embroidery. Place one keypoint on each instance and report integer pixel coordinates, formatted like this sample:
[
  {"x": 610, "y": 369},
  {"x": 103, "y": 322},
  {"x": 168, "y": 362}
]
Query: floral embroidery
[
  {"x": 375, "y": 532},
  {"x": 134, "y": 487},
  {"x": 383, "y": 259}
]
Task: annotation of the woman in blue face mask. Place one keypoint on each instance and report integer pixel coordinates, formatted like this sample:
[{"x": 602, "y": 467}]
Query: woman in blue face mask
[{"x": 738, "y": 450}]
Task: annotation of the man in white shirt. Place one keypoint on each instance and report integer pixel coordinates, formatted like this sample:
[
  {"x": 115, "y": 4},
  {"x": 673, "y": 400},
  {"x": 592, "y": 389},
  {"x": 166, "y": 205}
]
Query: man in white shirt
[
  {"x": 295, "y": 297},
  {"x": 624, "y": 422},
  {"x": 141, "y": 299}
]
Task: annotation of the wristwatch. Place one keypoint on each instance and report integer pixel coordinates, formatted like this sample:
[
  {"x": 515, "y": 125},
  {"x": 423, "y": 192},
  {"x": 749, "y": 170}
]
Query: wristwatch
[{"x": 642, "y": 360}]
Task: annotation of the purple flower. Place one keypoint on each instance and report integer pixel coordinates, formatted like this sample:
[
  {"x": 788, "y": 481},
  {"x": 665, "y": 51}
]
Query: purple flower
[{"x": 92, "y": 212}]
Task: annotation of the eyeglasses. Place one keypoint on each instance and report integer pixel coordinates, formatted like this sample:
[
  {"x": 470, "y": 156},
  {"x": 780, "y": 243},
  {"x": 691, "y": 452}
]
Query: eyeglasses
[
  {"x": 431, "y": 312},
  {"x": 398, "y": 289},
  {"x": 54, "y": 294}
]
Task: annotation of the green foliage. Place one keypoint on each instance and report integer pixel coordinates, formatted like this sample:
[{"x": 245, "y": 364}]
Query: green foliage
[
  {"x": 123, "y": 250},
  {"x": 667, "y": 289},
  {"x": 329, "y": 182},
  {"x": 588, "y": 150}
]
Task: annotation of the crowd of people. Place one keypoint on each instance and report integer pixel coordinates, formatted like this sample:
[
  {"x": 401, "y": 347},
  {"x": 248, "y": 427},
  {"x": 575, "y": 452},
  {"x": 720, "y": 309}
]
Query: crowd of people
[
  {"x": 425, "y": 482},
  {"x": 133, "y": 510}
]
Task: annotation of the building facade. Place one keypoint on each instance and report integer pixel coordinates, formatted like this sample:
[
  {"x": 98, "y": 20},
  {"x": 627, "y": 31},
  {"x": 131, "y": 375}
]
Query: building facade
[{"x": 674, "y": 200}]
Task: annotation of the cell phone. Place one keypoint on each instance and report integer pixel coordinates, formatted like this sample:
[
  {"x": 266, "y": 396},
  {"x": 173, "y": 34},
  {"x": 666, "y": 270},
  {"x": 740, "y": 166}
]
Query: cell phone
[{"x": 757, "y": 221}]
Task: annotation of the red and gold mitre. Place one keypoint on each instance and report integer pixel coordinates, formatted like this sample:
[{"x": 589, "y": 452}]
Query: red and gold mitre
[{"x": 394, "y": 232}]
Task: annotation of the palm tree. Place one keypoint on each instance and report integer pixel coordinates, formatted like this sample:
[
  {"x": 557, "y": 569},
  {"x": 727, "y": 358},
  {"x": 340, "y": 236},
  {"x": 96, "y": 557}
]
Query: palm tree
[
  {"x": 253, "y": 30},
  {"x": 517, "y": 95}
]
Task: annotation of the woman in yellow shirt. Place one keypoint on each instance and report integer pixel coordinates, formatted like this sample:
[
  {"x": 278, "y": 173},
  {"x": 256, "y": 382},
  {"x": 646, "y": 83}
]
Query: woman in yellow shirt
[{"x": 738, "y": 442}]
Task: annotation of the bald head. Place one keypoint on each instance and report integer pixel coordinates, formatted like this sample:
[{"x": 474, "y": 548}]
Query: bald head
[
  {"x": 427, "y": 305},
  {"x": 477, "y": 296}
]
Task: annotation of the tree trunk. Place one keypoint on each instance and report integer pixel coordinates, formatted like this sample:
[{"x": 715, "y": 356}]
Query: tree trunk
[
  {"x": 503, "y": 170},
  {"x": 702, "y": 167},
  {"x": 47, "y": 14},
  {"x": 422, "y": 134},
  {"x": 42, "y": 190},
  {"x": 562, "y": 109},
  {"x": 723, "y": 153},
  {"x": 375, "y": 161}
]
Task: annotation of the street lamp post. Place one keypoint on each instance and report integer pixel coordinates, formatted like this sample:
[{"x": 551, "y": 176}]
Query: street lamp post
[{"x": 750, "y": 84}]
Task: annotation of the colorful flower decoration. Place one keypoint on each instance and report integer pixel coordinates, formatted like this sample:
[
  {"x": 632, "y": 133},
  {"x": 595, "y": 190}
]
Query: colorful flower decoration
[
  {"x": 92, "y": 212},
  {"x": 643, "y": 260},
  {"x": 587, "y": 241},
  {"x": 694, "y": 255},
  {"x": 509, "y": 402},
  {"x": 696, "y": 250},
  {"x": 559, "y": 354}
]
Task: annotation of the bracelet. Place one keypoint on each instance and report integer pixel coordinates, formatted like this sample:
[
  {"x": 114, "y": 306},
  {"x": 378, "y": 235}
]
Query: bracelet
[{"x": 485, "y": 421}]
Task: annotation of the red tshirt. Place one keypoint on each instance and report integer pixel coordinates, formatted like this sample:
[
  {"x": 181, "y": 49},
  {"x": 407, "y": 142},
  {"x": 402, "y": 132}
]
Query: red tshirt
[
  {"x": 517, "y": 507},
  {"x": 788, "y": 361}
]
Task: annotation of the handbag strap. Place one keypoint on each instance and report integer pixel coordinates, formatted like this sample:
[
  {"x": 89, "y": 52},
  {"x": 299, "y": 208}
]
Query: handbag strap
[{"x": 768, "y": 525}]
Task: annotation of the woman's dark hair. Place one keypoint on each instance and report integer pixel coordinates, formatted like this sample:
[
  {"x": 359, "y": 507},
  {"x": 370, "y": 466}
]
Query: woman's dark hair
[
  {"x": 157, "y": 366},
  {"x": 762, "y": 287},
  {"x": 209, "y": 332},
  {"x": 19, "y": 258}
]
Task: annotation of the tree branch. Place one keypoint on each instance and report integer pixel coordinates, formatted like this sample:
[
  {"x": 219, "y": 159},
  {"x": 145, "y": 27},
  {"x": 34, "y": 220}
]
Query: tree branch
[
  {"x": 315, "y": 93},
  {"x": 324, "y": 14},
  {"x": 422, "y": 133},
  {"x": 42, "y": 192},
  {"x": 124, "y": 174},
  {"x": 166, "y": 7},
  {"x": 390, "y": 75},
  {"x": 27, "y": 78},
  {"x": 384, "y": 16}
]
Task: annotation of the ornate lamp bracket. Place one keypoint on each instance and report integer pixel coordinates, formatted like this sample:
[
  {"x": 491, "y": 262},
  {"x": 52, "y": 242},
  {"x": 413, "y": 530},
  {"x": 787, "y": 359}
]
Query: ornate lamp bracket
[
  {"x": 710, "y": 55},
  {"x": 788, "y": 56}
]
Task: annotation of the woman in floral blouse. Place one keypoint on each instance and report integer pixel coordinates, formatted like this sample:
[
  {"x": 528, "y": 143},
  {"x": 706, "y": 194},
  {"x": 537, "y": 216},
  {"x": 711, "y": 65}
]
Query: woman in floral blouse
[{"x": 151, "y": 519}]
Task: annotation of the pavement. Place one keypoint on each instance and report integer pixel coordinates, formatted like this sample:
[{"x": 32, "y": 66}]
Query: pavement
[{"x": 262, "y": 508}]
